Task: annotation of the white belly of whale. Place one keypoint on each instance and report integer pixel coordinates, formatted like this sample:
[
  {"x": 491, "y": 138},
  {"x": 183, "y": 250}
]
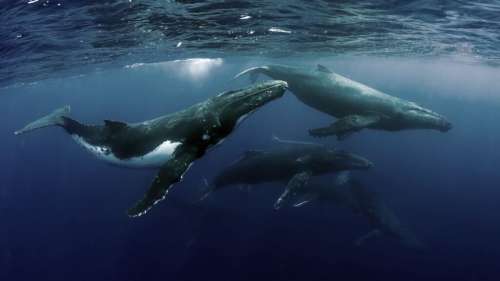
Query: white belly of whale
[{"x": 153, "y": 159}]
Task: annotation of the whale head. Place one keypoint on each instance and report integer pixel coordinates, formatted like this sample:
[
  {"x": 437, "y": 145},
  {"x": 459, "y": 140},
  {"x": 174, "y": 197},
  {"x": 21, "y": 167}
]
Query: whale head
[
  {"x": 325, "y": 160},
  {"x": 422, "y": 118},
  {"x": 234, "y": 106},
  {"x": 343, "y": 160}
]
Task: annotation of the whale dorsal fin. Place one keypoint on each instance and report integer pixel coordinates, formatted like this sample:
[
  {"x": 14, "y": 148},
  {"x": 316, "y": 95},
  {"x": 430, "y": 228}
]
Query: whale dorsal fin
[
  {"x": 115, "y": 126},
  {"x": 323, "y": 68}
]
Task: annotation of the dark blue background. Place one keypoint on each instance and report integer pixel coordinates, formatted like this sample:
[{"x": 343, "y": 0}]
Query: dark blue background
[{"x": 63, "y": 216}]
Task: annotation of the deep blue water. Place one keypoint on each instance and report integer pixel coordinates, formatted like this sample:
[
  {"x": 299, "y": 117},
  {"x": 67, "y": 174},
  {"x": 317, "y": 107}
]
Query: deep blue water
[{"x": 63, "y": 212}]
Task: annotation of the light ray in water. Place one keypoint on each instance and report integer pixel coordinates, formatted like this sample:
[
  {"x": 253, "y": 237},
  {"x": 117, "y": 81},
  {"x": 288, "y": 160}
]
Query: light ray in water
[{"x": 191, "y": 69}]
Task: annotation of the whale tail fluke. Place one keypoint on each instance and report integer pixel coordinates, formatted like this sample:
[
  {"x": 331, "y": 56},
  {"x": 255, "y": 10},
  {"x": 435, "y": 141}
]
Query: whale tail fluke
[
  {"x": 56, "y": 118},
  {"x": 253, "y": 72}
]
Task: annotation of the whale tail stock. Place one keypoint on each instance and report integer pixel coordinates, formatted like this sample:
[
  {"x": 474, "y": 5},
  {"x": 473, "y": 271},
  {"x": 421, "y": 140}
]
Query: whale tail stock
[{"x": 57, "y": 117}]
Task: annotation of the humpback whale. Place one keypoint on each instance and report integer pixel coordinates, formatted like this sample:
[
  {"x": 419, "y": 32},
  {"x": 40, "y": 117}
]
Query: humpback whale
[
  {"x": 352, "y": 194},
  {"x": 170, "y": 142},
  {"x": 293, "y": 164},
  {"x": 355, "y": 105}
]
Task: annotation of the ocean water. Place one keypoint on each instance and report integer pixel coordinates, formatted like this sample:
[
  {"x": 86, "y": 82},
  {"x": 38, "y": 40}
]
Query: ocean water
[{"x": 63, "y": 212}]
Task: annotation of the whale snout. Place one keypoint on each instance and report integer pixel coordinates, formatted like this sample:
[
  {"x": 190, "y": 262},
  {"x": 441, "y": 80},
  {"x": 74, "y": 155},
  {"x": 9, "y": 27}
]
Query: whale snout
[
  {"x": 426, "y": 119},
  {"x": 446, "y": 126},
  {"x": 365, "y": 164},
  {"x": 359, "y": 162}
]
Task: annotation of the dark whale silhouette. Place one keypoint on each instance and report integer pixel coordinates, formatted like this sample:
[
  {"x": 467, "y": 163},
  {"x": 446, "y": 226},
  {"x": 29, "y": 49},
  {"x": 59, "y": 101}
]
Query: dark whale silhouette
[
  {"x": 292, "y": 164},
  {"x": 171, "y": 142},
  {"x": 354, "y": 195},
  {"x": 356, "y": 106}
]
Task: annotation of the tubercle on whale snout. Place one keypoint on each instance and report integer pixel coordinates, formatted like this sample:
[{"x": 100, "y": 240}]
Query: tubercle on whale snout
[
  {"x": 268, "y": 86},
  {"x": 424, "y": 118},
  {"x": 446, "y": 126},
  {"x": 442, "y": 124}
]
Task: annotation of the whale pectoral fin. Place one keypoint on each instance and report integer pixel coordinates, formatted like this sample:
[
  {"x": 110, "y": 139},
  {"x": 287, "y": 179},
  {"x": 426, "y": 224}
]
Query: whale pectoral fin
[
  {"x": 297, "y": 182},
  {"x": 253, "y": 72},
  {"x": 169, "y": 174},
  {"x": 345, "y": 126},
  {"x": 305, "y": 199}
]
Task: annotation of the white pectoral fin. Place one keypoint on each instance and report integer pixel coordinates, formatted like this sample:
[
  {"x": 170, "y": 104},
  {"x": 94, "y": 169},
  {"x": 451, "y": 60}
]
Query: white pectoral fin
[
  {"x": 253, "y": 72},
  {"x": 296, "y": 183},
  {"x": 305, "y": 199}
]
